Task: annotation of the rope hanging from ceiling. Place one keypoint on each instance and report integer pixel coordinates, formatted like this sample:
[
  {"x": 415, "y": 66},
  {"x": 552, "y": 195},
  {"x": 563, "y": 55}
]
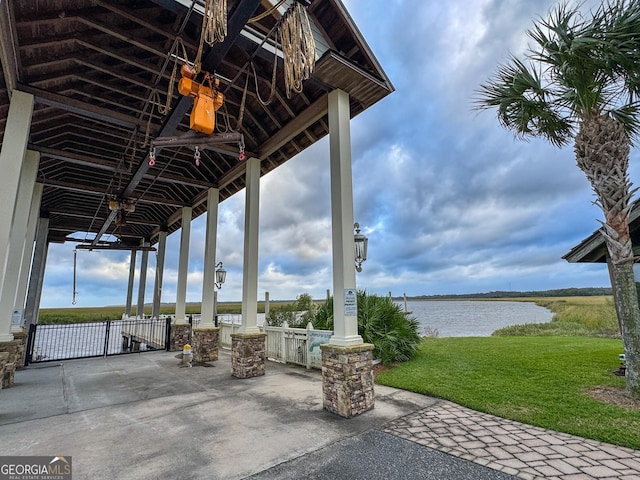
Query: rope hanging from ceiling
[
  {"x": 214, "y": 27},
  {"x": 298, "y": 47}
]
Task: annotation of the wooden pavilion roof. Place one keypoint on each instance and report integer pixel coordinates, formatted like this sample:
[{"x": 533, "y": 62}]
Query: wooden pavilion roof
[{"x": 98, "y": 67}]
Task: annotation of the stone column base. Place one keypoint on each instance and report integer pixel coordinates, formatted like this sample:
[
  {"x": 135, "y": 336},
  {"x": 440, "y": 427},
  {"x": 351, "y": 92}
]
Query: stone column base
[
  {"x": 3, "y": 362},
  {"x": 205, "y": 343},
  {"x": 347, "y": 379},
  {"x": 21, "y": 337},
  {"x": 248, "y": 354},
  {"x": 180, "y": 336},
  {"x": 15, "y": 349}
]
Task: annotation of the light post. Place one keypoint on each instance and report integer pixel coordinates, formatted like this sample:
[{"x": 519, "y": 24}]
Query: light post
[
  {"x": 360, "y": 244},
  {"x": 221, "y": 276}
]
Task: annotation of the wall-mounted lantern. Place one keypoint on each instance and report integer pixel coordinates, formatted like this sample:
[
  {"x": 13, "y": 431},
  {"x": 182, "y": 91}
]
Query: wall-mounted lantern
[
  {"x": 360, "y": 243},
  {"x": 221, "y": 275}
]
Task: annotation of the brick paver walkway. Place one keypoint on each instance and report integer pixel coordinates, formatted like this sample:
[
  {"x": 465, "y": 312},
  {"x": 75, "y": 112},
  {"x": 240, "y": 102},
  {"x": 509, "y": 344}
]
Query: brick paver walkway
[{"x": 514, "y": 448}]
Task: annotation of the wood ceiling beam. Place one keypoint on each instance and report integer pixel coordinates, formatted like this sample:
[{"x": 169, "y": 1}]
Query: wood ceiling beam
[
  {"x": 9, "y": 58},
  {"x": 131, "y": 16},
  {"x": 78, "y": 159},
  {"x": 82, "y": 108},
  {"x": 90, "y": 189},
  {"x": 110, "y": 71},
  {"x": 131, "y": 219},
  {"x": 122, "y": 35},
  {"x": 112, "y": 166},
  {"x": 309, "y": 116},
  {"x": 135, "y": 62}
]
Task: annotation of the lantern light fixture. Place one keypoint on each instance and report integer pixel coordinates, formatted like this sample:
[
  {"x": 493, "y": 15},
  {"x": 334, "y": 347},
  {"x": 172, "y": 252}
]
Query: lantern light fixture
[
  {"x": 221, "y": 275},
  {"x": 360, "y": 244}
]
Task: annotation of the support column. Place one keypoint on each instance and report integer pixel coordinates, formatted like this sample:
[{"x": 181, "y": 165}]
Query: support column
[
  {"x": 9, "y": 287},
  {"x": 157, "y": 286},
  {"x": 205, "y": 339},
  {"x": 250, "y": 264},
  {"x": 27, "y": 251},
  {"x": 132, "y": 277},
  {"x": 37, "y": 272},
  {"x": 181, "y": 330},
  {"x": 248, "y": 350},
  {"x": 18, "y": 233},
  {"x": 209, "y": 274},
  {"x": 142, "y": 282},
  {"x": 345, "y": 318},
  {"x": 347, "y": 368},
  {"x": 12, "y": 154}
]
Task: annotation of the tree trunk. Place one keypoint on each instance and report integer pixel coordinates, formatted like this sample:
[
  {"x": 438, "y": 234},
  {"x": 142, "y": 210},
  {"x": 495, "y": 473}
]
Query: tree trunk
[
  {"x": 626, "y": 299},
  {"x": 602, "y": 153}
]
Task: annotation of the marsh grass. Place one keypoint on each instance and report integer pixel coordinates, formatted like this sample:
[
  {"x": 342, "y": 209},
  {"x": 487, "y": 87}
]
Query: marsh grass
[
  {"x": 572, "y": 316},
  {"x": 101, "y": 314}
]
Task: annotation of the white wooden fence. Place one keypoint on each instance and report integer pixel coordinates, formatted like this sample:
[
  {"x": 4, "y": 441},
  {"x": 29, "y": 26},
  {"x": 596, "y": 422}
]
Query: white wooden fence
[{"x": 300, "y": 346}]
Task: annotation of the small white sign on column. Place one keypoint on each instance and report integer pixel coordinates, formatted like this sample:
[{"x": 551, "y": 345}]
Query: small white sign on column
[{"x": 350, "y": 303}]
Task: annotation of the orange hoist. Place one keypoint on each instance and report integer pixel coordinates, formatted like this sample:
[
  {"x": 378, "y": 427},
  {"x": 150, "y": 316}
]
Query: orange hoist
[{"x": 206, "y": 99}]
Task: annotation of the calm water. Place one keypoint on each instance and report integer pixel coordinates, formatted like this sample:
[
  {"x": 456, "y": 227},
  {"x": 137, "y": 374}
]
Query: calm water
[{"x": 474, "y": 319}]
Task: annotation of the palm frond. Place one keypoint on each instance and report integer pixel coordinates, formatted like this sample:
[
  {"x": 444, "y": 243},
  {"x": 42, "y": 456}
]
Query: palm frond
[
  {"x": 578, "y": 66},
  {"x": 523, "y": 103}
]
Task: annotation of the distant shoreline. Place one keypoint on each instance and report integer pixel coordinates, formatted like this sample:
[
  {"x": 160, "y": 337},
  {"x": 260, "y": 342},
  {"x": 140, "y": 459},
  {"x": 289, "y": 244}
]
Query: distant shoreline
[{"x": 506, "y": 295}]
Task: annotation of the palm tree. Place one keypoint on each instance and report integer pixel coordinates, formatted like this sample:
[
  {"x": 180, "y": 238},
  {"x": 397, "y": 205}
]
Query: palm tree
[{"x": 580, "y": 82}]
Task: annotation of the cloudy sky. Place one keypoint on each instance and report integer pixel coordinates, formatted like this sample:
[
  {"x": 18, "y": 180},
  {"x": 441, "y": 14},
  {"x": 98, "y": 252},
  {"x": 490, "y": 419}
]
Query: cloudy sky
[{"x": 450, "y": 202}]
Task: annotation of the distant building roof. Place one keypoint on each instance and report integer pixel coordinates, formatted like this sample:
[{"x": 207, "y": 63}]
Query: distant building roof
[{"x": 593, "y": 249}]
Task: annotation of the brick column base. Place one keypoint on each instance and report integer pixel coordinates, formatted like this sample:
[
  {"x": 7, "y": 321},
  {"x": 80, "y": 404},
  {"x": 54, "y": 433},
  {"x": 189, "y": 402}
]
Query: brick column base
[
  {"x": 248, "y": 354},
  {"x": 15, "y": 349},
  {"x": 180, "y": 336},
  {"x": 3, "y": 361},
  {"x": 347, "y": 379},
  {"x": 205, "y": 343}
]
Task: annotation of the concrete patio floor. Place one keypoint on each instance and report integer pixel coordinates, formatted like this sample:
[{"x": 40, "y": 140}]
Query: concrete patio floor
[{"x": 145, "y": 416}]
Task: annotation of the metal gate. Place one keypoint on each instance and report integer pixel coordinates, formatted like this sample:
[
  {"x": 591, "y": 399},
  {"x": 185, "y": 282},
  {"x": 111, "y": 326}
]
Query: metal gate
[{"x": 47, "y": 343}]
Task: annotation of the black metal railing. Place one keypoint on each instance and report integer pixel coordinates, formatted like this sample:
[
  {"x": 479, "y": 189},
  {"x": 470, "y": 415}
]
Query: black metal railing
[{"x": 48, "y": 343}]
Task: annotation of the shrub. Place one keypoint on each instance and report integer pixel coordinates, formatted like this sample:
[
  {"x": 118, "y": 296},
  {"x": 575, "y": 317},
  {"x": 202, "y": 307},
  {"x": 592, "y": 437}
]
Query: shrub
[
  {"x": 296, "y": 314},
  {"x": 381, "y": 322}
]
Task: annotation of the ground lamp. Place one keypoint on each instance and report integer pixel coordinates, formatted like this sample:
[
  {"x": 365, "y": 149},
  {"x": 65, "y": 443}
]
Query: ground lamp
[{"x": 360, "y": 243}]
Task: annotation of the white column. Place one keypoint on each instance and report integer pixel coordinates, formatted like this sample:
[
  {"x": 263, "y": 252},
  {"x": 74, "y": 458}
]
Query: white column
[
  {"x": 27, "y": 251},
  {"x": 345, "y": 319},
  {"x": 209, "y": 278},
  {"x": 37, "y": 272},
  {"x": 250, "y": 266},
  {"x": 157, "y": 287},
  {"x": 183, "y": 267},
  {"x": 14, "y": 147},
  {"x": 18, "y": 233},
  {"x": 132, "y": 277},
  {"x": 142, "y": 283}
]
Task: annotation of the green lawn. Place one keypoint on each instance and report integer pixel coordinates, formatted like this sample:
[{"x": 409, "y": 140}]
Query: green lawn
[{"x": 535, "y": 380}]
